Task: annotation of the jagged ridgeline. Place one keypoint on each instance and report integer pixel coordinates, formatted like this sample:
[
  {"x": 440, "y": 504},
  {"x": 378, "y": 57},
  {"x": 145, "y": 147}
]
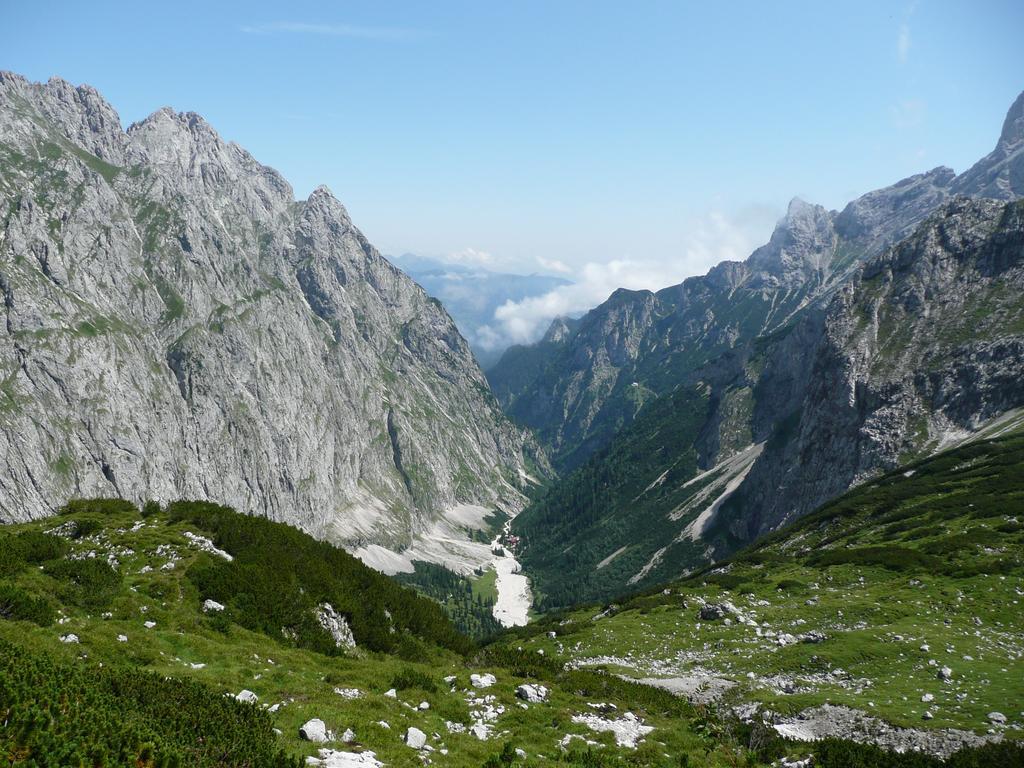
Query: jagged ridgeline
[
  {"x": 177, "y": 325},
  {"x": 691, "y": 421}
]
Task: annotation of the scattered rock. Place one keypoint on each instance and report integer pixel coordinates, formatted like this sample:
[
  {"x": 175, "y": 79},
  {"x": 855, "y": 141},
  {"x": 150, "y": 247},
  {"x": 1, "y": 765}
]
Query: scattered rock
[
  {"x": 330, "y": 758},
  {"x": 997, "y": 718},
  {"x": 391, "y": 693},
  {"x": 535, "y": 694},
  {"x": 247, "y": 696},
  {"x": 204, "y": 544},
  {"x": 211, "y": 606},
  {"x": 712, "y": 612},
  {"x": 415, "y": 738},
  {"x": 628, "y": 730},
  {"x": 945, "y": 674},
  {"x": 482, "y": 681},
  {"x": 336, "y": 626},
  {"x": 71, "y": 637},
  {"x": 830, "y": 721},
  {"x": 314, "y": 730}
]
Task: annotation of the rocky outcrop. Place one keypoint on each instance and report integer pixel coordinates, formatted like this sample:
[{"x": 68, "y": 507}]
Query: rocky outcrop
[
  {"x": 1000, "y": 174},
  {"x": 581, "y": 384},
  {"x": 576, "y": 389},
  {"x": 849, "y": 343},
  {"x": 177, "y": 325},
  {"x": 925, "y": 346}
]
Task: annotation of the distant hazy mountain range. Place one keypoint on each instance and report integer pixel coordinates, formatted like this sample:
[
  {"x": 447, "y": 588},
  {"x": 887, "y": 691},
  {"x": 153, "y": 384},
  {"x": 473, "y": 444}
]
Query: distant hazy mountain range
[{"x": 472, "y": 294}]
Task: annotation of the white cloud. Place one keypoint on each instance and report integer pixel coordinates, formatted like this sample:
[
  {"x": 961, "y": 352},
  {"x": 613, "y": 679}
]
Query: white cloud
[
  {"x": 903, "y": 41},
  {"x": 470, "y": 257},
  {"x": 332, "y": 30},
  {"x": 712, "y": 239},
  {"x": 903, "y": 44},
  {"x": 554, "y": 265}
]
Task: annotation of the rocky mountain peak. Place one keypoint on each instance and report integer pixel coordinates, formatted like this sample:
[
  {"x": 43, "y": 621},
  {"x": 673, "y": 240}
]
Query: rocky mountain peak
[
  {"x": 78, "y": 113},
  {"x": 1000, "y": 174},
  {"x": 322, "y": 201},
  {"x": 800, "y": 246},
  {"x": 558, "y": 331},
  {"x": 1012, "y": 134},
  {"x": 204, "y": 336}
]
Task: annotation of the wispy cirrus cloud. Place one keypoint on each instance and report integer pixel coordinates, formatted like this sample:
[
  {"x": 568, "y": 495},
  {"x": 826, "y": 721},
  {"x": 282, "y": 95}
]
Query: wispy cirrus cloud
[
  {"x": 903, "y": 44},
  {"x": 903, "y": 41},
  {"x": 332, "y": 30}
]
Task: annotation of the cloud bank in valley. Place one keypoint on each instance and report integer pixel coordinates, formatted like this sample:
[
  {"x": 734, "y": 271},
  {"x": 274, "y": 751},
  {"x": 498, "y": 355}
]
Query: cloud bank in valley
[{"x": 712, "y": 239}]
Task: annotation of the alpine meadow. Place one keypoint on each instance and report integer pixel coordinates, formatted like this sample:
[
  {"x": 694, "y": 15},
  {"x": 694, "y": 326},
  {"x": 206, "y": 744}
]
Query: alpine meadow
[{"x": 610, "y": 452}]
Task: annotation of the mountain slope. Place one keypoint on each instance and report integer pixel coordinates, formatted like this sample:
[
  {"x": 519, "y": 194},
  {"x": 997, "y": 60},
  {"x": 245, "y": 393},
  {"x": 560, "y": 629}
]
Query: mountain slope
[
  {"x": 578, "y": 392},
  {"x": 100, "y": 607},
  {"x": 176, "y": 324},
  {"x": 861, "y": 604},
  {"x": 581, "y": 392},
  {"x": 925, "y": 346},
  {"x": 921, "y": 349}
]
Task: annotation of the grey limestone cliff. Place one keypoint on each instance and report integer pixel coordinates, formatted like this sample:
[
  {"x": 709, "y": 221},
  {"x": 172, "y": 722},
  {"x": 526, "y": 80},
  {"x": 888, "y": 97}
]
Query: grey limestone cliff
[{"x": 176, "y": 324}]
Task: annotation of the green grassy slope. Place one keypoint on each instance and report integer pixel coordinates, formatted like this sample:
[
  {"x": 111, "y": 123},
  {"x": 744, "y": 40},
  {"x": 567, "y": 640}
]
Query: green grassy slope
[
  {"x": 617, "y": 499},
  {"x": 130, "y": 589},
  {"x": 918, "y": 570}
]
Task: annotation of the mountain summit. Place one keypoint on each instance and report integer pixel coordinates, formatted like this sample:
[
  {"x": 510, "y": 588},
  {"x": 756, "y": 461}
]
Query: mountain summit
[{"x": 177, "y": 325}]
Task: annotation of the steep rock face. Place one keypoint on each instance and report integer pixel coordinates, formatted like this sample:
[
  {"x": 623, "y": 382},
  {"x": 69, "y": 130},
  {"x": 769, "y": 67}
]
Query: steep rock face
[
  {"x": 920, "y": 349},
  {"x": 177, "y": 325},
  {"x": 581, "y": 391},
  {"x": 925, "y": 346},
  {"x": 577, "y": 398},
  {"x": 798, "y": 398},
  {"x": 1000, "y": 174}
]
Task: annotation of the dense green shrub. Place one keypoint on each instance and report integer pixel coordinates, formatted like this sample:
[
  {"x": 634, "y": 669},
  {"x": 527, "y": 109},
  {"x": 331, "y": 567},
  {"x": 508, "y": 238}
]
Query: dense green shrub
[
  {"x": 279, "y": 575},
  {"x": 89, "y": 583},
  {"x": 409, "y": 677},
  {"x": 836, "y": 753},
  {"x": 728, "y": 581},
  {"x": 103, "y": 507},
  {"x": 892, "y": 558},
  {"x": 790, "y": 585},
  {"x": 58, "y": 715},
  {"x": 28, "y": 547},
  {"x": 38, "y": 547},
  {"x": 86, "y": 526},
  {"x": 967, "y": 542},
  {"x": 18, "y": 605}
]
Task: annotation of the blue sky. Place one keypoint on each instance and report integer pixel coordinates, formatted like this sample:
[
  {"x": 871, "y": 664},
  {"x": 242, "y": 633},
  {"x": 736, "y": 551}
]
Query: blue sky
[{"x": 622, "y": 143}]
